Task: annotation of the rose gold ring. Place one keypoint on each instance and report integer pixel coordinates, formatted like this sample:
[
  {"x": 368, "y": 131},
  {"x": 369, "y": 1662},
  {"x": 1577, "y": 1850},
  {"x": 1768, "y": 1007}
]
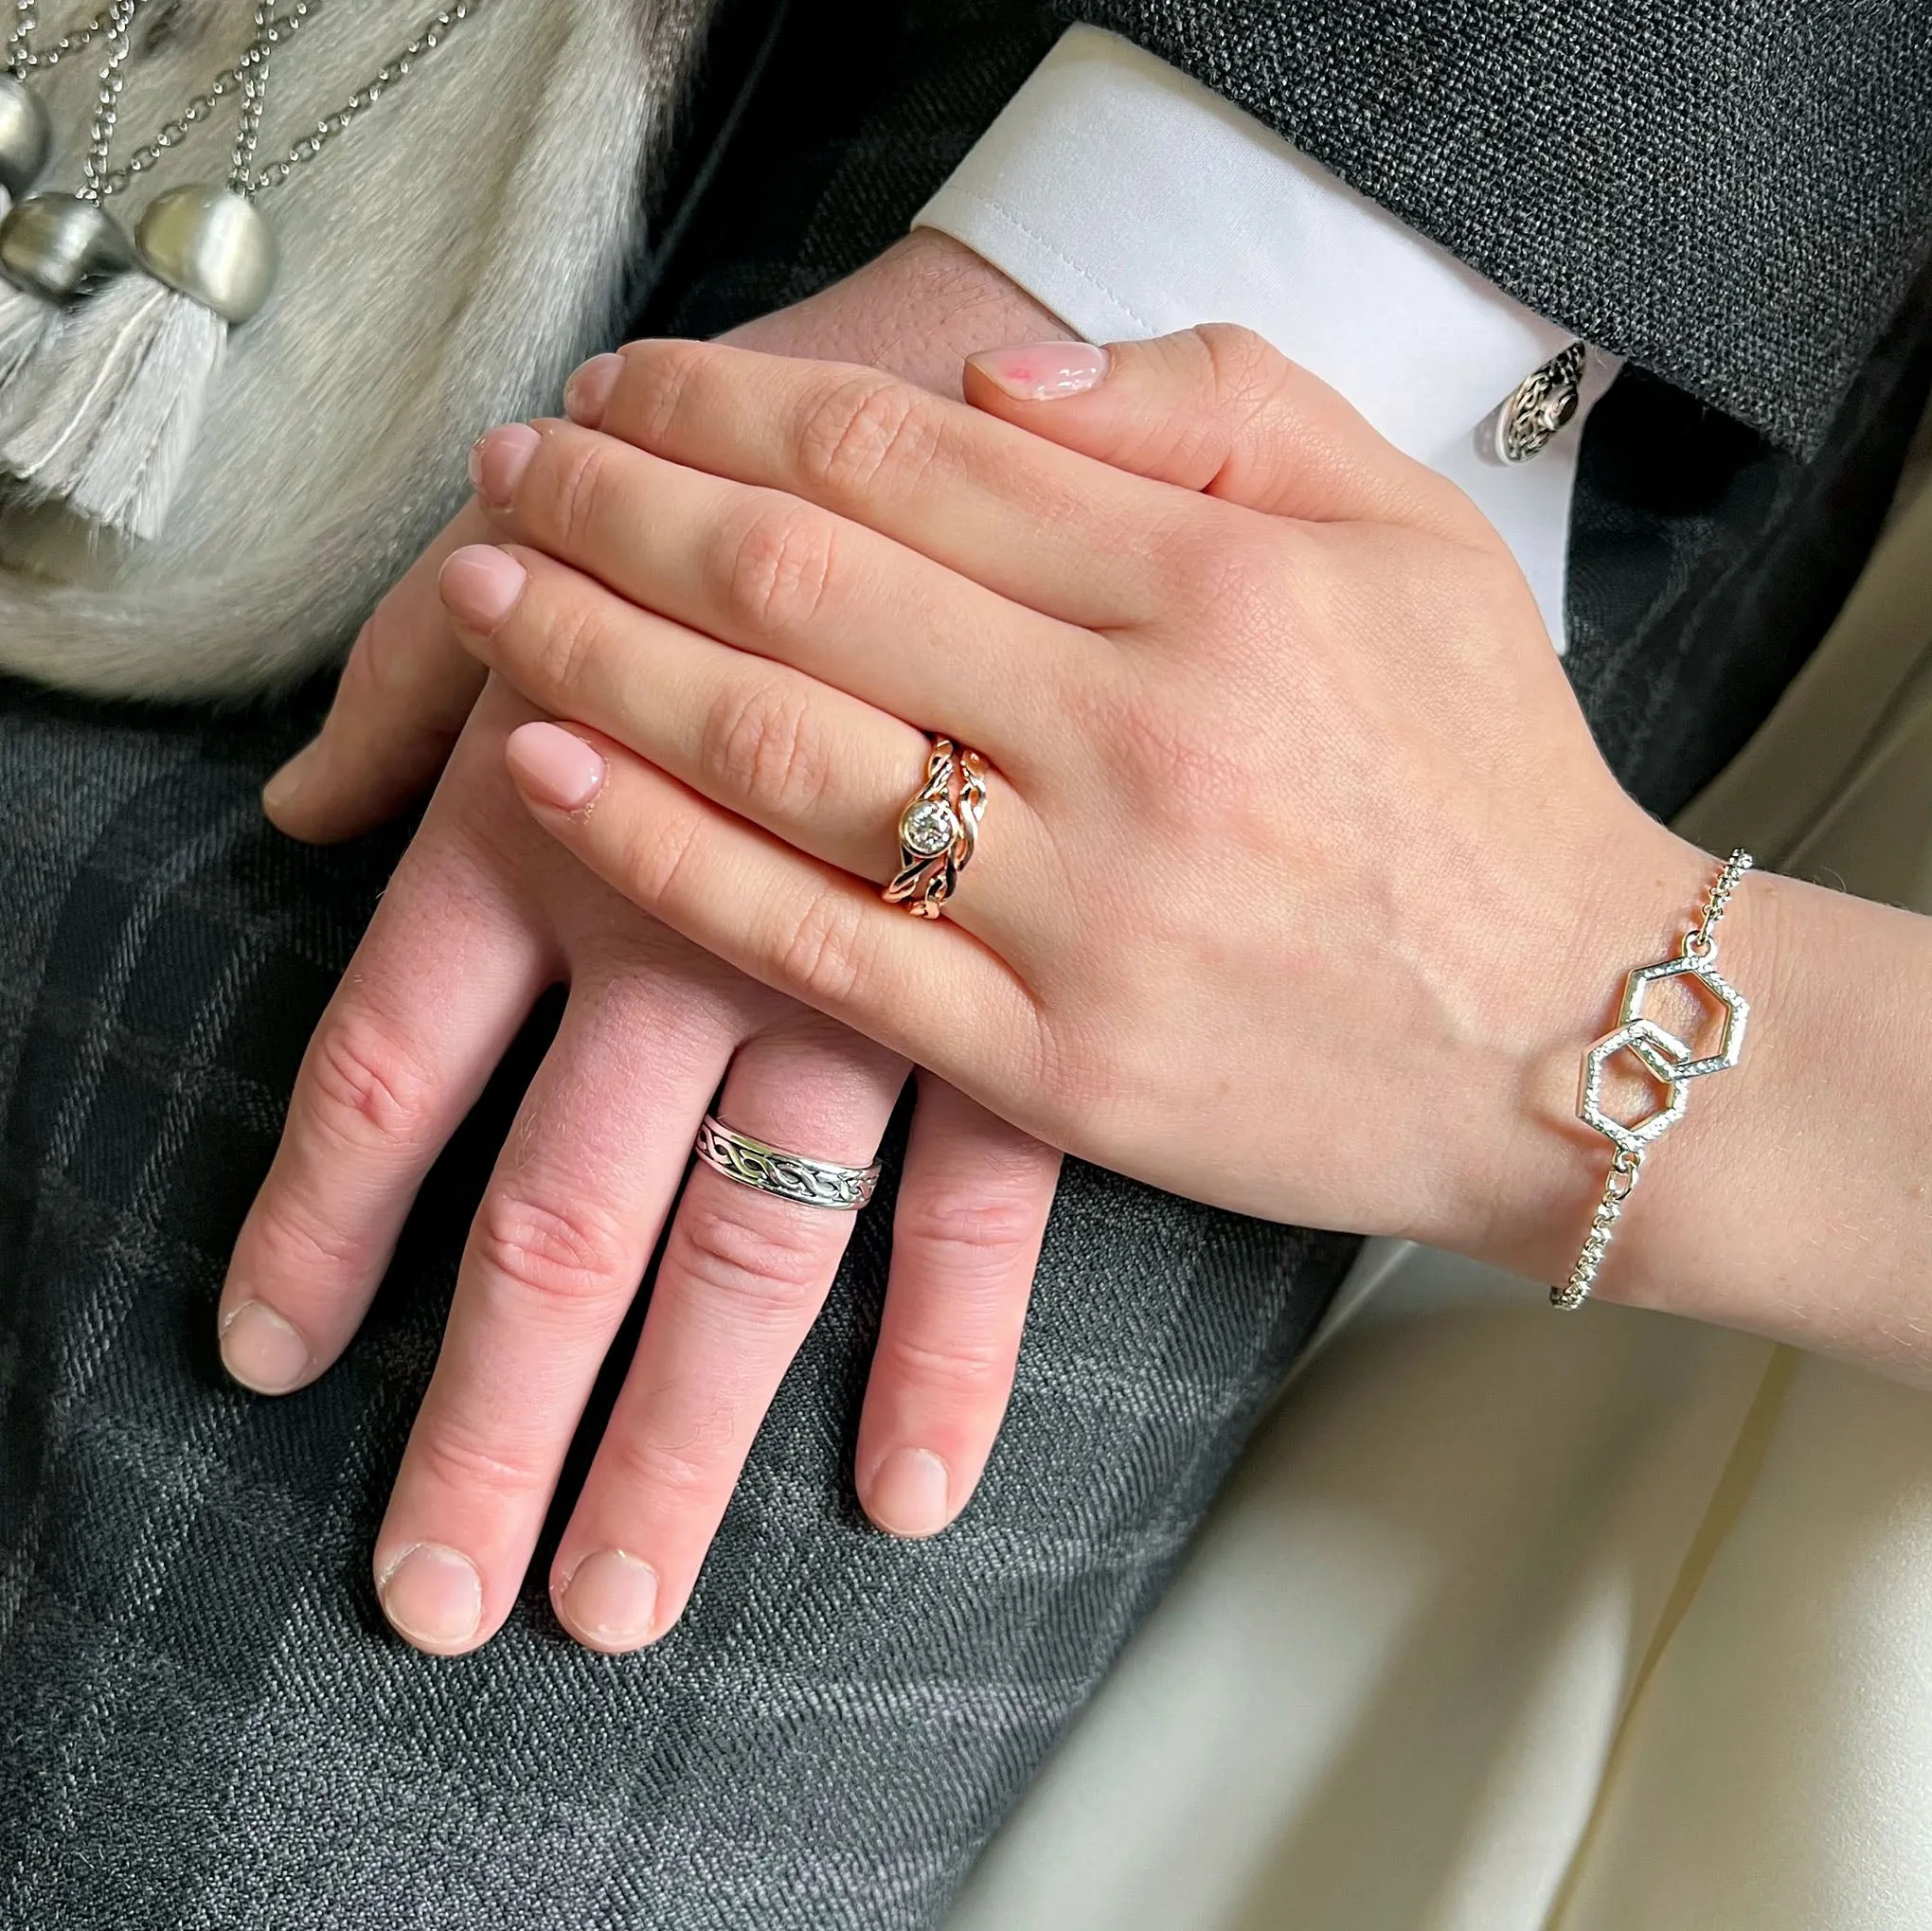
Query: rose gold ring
[{"x": 938, "y": 830}]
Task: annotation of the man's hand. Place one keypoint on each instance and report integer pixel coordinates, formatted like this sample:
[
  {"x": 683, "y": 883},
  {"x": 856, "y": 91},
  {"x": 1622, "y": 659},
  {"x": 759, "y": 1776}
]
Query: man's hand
[
  {"x": 919, "y": 311},
  {"x": 478, "y": 920}
]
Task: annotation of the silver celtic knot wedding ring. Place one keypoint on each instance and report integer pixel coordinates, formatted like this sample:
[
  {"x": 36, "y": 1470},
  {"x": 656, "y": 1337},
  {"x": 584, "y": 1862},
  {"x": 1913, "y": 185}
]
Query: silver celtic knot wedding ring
[
  {"x": 791, "y": 1176},
  {"x": 938, "y": 830}
]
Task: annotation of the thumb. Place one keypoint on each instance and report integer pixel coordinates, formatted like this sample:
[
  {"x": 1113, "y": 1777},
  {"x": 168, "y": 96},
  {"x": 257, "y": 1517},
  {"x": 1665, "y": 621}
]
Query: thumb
[
  {"x": 406, "y": 690},
  {"x": 1216, "y": 409}
]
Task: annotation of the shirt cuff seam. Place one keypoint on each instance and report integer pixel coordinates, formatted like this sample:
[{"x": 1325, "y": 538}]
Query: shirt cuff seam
[{"x": 999, "y": 212}]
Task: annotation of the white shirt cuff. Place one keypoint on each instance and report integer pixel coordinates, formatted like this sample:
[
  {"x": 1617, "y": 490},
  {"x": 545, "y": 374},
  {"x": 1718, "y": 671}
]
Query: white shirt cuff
[{"x": 1131, "y": 202}]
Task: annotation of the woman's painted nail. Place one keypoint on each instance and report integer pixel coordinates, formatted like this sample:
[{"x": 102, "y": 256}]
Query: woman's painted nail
[
  {"x": 554, "y": 766},
  {"x": 1042, "y": 372},
  {"x": 909, "y": 1492},
  {"x": 480, "y": 585},
  {"x": 587, "y": 394},
  {"x": 279, "y": 791},
  {"x": 262, "y": 1351},
  {"x": 433, "y": 1595},
  {"x": 498, "y": 460},
  {"x": 610, "y": 1601}
]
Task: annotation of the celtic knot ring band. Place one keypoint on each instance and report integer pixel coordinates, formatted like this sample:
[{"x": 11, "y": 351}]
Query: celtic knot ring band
[
  {"x": 791, "y": 1176},
  {"x": 938, "y": 830}
]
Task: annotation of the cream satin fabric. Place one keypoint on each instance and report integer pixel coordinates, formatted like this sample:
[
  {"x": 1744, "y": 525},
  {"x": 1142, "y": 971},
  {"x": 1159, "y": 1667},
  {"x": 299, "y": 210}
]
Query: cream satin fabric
[{"x": 1597, "y": 1623}]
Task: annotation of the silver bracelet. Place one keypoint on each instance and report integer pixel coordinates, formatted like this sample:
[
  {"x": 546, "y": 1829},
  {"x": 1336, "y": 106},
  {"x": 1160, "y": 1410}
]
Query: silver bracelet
[{"x": 1666, "y": 1059}]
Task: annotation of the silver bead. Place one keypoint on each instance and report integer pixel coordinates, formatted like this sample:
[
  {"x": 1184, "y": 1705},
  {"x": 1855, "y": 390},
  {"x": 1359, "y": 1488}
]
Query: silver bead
[
  {"x": 26, "y": 136},
  {"x": 211, "y": 246},
  {"x": 62, "y": 246}
]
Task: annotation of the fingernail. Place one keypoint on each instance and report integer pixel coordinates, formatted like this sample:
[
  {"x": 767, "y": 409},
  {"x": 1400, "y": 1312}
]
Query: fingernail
[
  {"x": 587, "y": 394},
  {"x": 262, "y": 1351},
  {"x": 554, "y": 765},
  {"x": 433, "y": 1595},
  {"x": 1040, "y": 371},
  {"x": 908, "y": 1493},
  {"x": 498, "y": 460},
  {"x": 480, "y": 585},
  {"x": 279, "y": 791},
  {"x": 610, "y": 1600}
]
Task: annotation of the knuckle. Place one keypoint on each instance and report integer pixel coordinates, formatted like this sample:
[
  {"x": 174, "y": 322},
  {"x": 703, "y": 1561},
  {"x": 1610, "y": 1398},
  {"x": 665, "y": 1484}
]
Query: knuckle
[
  {"x": 759, "y": 744},
  {"x": 770, "y": 1267},
  {"x": 973, "y": 1238},
  {"x": 456, "y": 1460},
  {"x": 286, "y": 1242},
  {"x": 657, "y": 382},
  {"x": 658, "y": 855},
  {"x": 1227, "y": 567},
  {"x": 650, "y": 1465},
  {"x": 574, "y": 487},
  {"x": 567, "y": 1256},
  {"x": 823, "y": 955},
  {"x": 965, "y": 1365},
  {"x": 1177, "y": 764},
  {"x": 364, "y": 1087},
  {"x": 869, "y": 433},
  {"x": 774, "y": 567},
  {"x": 562, "y": 631},
  {"x": 1246, "y": 369}
]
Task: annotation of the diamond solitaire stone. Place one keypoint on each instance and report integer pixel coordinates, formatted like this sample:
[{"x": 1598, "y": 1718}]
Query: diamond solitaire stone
[{"x": 928, "y": 828}]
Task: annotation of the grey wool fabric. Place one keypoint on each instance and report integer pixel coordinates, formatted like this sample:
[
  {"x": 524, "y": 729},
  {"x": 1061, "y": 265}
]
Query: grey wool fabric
[
  {"x": 1734, "y": 193},
  {"x": 204, "y": 1725}
]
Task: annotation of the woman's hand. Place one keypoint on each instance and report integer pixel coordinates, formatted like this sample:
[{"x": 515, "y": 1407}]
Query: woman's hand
[
  {"x": 1299, "y": 864},
  {"x": 480, "y": 917},
  {"x": 408, "y": 686},
  {"x": 1302, "y": 887}
]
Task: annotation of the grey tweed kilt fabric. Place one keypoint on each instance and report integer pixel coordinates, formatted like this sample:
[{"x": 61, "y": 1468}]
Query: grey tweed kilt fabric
[{"x": 204, "y": 1723}]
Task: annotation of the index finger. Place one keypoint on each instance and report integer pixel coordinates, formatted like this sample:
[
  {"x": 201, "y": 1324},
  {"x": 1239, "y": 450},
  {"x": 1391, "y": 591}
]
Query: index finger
[{"x": 1047, "y": 526}]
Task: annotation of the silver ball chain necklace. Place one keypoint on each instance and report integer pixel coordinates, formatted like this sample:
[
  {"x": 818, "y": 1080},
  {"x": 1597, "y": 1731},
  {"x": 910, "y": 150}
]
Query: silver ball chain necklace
[
  {"x": 53, "y": 247},
  {"x": 103, "y": 411},
  {"x": 25, "y": 132}
]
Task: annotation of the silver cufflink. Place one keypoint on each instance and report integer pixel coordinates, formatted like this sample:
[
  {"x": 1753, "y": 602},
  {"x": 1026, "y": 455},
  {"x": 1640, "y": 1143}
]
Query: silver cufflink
[{"x": 1539, "y": 407}]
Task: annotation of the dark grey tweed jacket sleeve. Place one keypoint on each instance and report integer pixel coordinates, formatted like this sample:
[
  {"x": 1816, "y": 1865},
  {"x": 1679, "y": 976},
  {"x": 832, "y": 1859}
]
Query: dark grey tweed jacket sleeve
[{"x": 1733, "y": 193}]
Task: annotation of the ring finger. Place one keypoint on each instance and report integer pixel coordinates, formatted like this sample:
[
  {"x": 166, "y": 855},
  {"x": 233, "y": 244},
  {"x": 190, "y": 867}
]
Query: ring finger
[
  {"x": 743, "y": 1275},
  {"x": 815, "y": 766}
]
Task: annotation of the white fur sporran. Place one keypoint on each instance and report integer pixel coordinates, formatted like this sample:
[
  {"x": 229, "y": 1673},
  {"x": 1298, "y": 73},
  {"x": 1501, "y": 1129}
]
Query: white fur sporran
[{"x": 443, "y": 268}]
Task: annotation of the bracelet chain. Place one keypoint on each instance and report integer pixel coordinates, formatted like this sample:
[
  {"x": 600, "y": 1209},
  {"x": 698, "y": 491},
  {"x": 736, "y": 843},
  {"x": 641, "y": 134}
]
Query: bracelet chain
[{"x": 1666, "y": 1059}]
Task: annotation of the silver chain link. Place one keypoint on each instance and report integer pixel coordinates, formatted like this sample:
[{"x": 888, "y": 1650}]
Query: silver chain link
[
  {"x": 273, "y": 31},
  {"x": 23, "y": 59},
  {"x": 1703, "y": 942},
  {"x": 120, "y": 20},
  {"x": 435, "y": 32},
  {"x": 24, "y": 20},
  {"x": 254, "y": 98},
  {"x": 279, "y": 31}
]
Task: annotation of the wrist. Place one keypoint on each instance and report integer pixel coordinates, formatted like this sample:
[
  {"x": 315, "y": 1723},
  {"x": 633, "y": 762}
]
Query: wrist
[
  {"x": 1533, "y": 1183},
  {"x": 1800, "y": 1210},
  {"x": 1790, "y": 1199}
]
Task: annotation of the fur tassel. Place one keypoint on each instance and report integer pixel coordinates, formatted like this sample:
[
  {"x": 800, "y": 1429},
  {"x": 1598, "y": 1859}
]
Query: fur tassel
[
  {"x": 24, "y": 320},
  {"x": 118, "y": 394}
]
